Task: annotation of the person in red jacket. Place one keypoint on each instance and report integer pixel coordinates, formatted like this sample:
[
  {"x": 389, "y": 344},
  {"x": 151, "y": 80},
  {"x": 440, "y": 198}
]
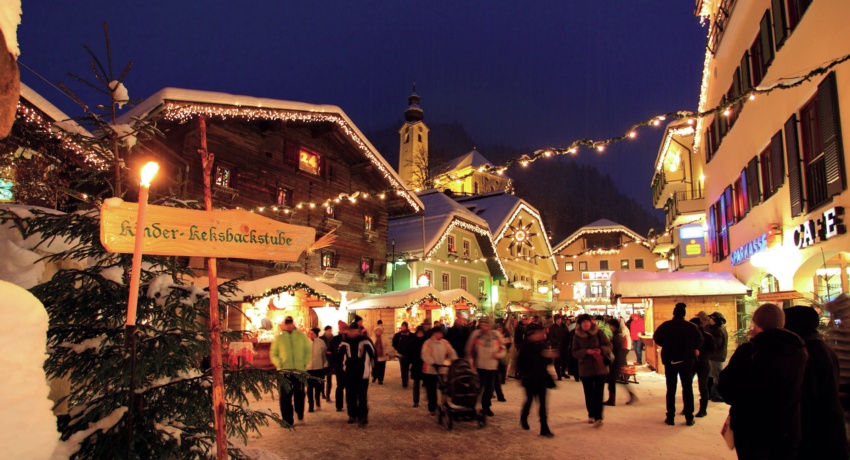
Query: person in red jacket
[{"x": 636, "y": 327}]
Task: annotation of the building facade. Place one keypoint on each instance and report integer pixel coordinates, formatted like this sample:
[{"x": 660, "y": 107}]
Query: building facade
[
  {"x": 589, "y": 257},
  {"x": 776, "y": 185}
]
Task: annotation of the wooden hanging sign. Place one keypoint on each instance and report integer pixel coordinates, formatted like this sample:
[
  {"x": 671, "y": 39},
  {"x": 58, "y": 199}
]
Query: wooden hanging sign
[{"x": 184, "y": 232}]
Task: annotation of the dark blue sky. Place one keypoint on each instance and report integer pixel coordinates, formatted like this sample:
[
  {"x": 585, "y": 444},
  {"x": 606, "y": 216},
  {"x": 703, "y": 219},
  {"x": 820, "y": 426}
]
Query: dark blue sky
[{"x": 528, "y": 74}]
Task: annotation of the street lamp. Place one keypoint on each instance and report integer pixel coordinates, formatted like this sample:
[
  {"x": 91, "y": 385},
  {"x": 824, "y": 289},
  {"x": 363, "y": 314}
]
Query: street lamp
[{"x": 148, "y": 173}]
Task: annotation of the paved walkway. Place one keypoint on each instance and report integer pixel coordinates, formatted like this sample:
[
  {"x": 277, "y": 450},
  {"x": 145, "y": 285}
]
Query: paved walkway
[{"x": 397, "y": 430}]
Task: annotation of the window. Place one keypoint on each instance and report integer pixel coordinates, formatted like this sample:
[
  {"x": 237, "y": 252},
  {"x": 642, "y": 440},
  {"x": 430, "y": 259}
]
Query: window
[
  {"x": 330, "y": 211},
  {"x": 328, "y": 259},
  {"x": 451, "y": 244},
  {"x": 719, "y": 223},
  {"x": 223, "y": 176},
  {"x": 742, "y": 206},
  {"x": 420, "y": 137},
  {"x": 569, "y": 266},
  {"x": 603, "y": 265},
  {"x": 464, "y": 283},
  {"x": 772, "y": 167},
  {"x": 309, "y": 162},
  {"x": 796, "y": 9},
  {"x": 624, "y": 264},
  {"x": 467, "y": 248},
  {"x": 482, "y": 288},
  {"x": 366, "y": 265},
  {"x": 582, "y": 266},
  {"x": 368, "y": 222},
  {"x": 446, "y": 282},
  {"x": 284, "y": 197},
  {"x": 602, "y": 241},
  {"x": 819, "y": 164},
  {"x": 638, "y": 264},
  {"x": 761, "y": 51},
  {"x": 430, "y": 275}
]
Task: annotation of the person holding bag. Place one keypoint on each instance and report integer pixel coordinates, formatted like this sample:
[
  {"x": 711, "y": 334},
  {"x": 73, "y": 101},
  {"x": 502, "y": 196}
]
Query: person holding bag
[{"x": 590, "y": 347}]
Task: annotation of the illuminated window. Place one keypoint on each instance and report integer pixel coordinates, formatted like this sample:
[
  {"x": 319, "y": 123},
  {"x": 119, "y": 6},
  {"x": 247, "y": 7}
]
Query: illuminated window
[
  {"x": 367, "y": 222},
  {"x": 365, "y": 265},
  {"x": 328, "y": 259},
  {"x": 452, "y": 245},
  {"x": 284, "y": 196},
  {"x": 330, "y": 211},
  {"x": 481, "y": 288},
  {"x": 569, "y": 266},
  {"x": 309, "y": 162},
  {"x": 223, "y": 176},
  {"x": 624, "y": 264},
  {"x": 467, "y": 248}
]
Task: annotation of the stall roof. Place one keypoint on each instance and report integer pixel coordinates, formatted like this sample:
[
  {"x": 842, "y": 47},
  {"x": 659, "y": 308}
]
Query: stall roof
[
  {"x": 259, "y": 287},
  {"x": 663, "y": 284},
  {"x": 452, "y": 295},
  {"x": 397, "y": 299}
]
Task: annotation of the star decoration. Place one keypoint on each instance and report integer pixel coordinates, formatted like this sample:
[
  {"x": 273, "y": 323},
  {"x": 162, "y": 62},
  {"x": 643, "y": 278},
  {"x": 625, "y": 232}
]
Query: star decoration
[{"x": 521, "y": 234}]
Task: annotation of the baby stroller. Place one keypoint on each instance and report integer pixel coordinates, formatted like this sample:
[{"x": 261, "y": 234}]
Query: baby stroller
[{"x": 460, "y": 389}]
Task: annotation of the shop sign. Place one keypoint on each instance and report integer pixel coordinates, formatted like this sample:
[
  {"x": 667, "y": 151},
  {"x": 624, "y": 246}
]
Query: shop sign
[
  {"x": 184, "y": 232},
  {"x": 596, "y": 276},
  {"x": 830, "y": 224},
  {"x": 692, "y": 241},
  {"x": 743, "y": 253},
  {"x": 777, "y": 296}
]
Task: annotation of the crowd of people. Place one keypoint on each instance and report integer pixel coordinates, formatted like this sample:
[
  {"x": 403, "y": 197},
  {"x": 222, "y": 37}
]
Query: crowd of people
[{"x": 782, "y": 385}]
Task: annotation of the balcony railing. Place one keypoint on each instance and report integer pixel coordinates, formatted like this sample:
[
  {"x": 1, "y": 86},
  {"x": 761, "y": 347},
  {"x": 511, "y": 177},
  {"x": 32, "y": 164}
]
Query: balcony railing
[{"x": 683, "y": 203}]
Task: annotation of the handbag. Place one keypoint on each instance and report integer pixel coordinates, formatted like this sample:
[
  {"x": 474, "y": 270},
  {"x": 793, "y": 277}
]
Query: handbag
[
  {"x": 607, "y": 358},
  {"x": 727, "y": 433}
]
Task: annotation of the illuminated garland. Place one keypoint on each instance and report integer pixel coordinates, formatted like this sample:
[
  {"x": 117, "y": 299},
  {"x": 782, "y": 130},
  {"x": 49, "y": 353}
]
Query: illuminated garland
[
  {"x": 292, "y": 287},
  {"x": 634, "y": 236},
  {"x": 184, "y": 111},
  {"x": 534, "y": 214},
  {"x": 470, "y": 227},
  {"x": 34, "y": 117}
]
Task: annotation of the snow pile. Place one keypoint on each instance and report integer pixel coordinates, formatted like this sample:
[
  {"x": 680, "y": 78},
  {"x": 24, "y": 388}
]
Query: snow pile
[
  {"x": 19, "y": 266},
  {"x": 28, "y": 427},
  {"x": 119, "y": 92},
  {"x": 72, "y": 445},
  {"x": 10, "y": 18},
  {"x": 126, "y": 133}
]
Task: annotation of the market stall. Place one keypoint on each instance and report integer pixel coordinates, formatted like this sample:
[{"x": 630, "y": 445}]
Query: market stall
[
  {"x": 413, "y": 305},
  {"x": 460, "y": 299},
  {"x": 659, "y": 293}
]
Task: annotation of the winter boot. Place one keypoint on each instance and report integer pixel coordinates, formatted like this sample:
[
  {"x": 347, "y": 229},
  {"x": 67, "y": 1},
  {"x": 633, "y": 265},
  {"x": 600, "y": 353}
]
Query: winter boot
[
  {"x": 633, "y": 399},
  {"x": 523, "y": 422},
  {"x": 669, "y": 420},
  {"x": 703, "y": 405},
  {"x": 609, "y": 402}
]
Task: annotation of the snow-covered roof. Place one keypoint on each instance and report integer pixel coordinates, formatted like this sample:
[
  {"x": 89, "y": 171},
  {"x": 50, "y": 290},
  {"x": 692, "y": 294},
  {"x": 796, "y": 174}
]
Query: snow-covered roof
[
  {"x": 595, "y": 227},
  {"x": 664, "y": 284},
  {"x": 398, "y": 299},
  {"x": 60, "y": 118},
  {"x": 10, "y": 19},
  {"x": 453, "y": 295},
  {"x": 259, "y": 287},
  {"x": 473, "y": 159},
  {"x": 180, "y": 104}
]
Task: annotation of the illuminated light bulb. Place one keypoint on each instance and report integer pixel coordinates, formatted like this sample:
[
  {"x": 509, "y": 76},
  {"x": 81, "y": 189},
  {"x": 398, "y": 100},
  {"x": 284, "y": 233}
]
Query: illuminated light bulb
[
  {"x": 398, "y": 192},
  {"x": 417, "y": 190},
  {"x": 662, "y": 118},
  {"x": 548, "y": 153},
  {"x": 727, "y": 112},
  {"x": 753, "y": 96},
  {"x": 632, "y": 134},
  {"x": 286, "y": 211},
  {"x": 702, "y": 177},
  {"x": 457, "y": 181},
  {"x": 499, "y": 172},
  {"x": 365, "y": 196},
  {"x": 274, "y": 208},
  {"x": 382, "y": 196},
  {"x": 299, "y": 206},
  {"x": 312, "y": 205},
  {"x": 656, "y": 123},
  {"x": 524, "y": 164},
  {"x": 690, "y": 121},
  {"x": 336, "y": 200},
  {"x": 573, "y": 150},
  {"x": 85, "y": 197},
  {"x": 261, "y": 209},
  {"x": 600, "y": 148},
  {"x": 666, "y": 233},
  {"x": 436, "y": 181}
]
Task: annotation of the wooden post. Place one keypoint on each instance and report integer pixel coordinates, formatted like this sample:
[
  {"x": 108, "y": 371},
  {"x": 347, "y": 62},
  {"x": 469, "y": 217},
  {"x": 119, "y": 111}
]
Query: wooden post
[{"x": 219, "y": 412}]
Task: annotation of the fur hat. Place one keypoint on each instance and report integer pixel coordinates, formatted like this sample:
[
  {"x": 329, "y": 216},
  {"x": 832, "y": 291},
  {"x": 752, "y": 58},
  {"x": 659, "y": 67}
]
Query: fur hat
[
  {"x": 718, "y": 317},
  {"x": 802, "y": 320},
  {"x": 769, "y": 316},
  {"x": 680, "y": 309},
  {"x": 583, "y": 317}
]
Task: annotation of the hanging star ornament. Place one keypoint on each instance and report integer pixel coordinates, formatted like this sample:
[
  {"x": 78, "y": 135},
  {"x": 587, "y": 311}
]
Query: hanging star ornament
[{"x": 521, "y": 234}]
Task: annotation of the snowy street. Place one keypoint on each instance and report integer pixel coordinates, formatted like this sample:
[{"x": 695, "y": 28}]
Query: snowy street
[{"x": 636, "y": 431}]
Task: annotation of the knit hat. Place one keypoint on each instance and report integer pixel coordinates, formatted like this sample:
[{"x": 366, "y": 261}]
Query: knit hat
[
  {"x": 584, "y": 317},
  {"x": 802, "y": 320},
  {"x": 341, "y": 325},
  {"x": 769, "y": 316},
  {"x": 679, "y": 310}
]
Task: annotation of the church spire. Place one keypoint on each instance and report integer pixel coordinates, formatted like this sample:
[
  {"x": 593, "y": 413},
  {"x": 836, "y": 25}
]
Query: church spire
[{"x": 413, "y": 113}]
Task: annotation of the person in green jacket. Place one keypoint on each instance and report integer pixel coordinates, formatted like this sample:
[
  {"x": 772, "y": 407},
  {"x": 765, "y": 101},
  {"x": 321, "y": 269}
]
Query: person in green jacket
[{"x": 291, "y": 351}]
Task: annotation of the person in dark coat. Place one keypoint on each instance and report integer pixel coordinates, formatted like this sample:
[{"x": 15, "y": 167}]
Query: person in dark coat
[
  {"x": 721, "y": 338},
  {"x": 401, "y": 340},
  {"x": 763, "y": 383},
  {"x": 532, "y": 364},
  {"x": 413, "y": 348},
  {"x": 458, "y": 334},
  {"x": 590, "y": 346},
  {"x": 620, "y": 353},
  {"x": 572, "y": 361},
  {"x": 679, "y": 341},
  {"x": 702, "y": 368},
  {"x": 557, "y": 336},
  {"x": 822, "y": 419},
  {"x": 336, "y": 365},
  {"x": 357, "y": 355}
]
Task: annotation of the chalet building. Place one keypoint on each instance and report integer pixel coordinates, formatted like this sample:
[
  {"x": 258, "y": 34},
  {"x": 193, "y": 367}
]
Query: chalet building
[
  {"x": 775, "y": 165},
  {"x": 523, "y": 247},
  {"x": 298, "y": 163},
  {"x": 469, "y": 174},
  {"x": 677, "y": 187},
  {"x": 590, "y": 257}
]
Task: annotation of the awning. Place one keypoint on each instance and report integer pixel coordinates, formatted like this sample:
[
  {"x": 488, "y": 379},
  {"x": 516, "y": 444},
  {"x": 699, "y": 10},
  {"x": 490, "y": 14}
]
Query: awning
[
  {"x": 664, "y": 284},
  {"x": 285, "y": 282},
  {"x": 400, "y": 299},
  {"x": 453, "y": 296}
]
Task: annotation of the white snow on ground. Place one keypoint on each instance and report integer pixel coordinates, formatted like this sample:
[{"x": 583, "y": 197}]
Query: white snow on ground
[
  {"x": 28, "y": 426},
  {"x": 19, "y": 266},
  {"x": 397, "y": 430},
  {"x": 10, "y": 18}
]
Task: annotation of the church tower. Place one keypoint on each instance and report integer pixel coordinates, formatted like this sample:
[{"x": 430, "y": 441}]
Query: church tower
[{"x": 413, "y": 145}]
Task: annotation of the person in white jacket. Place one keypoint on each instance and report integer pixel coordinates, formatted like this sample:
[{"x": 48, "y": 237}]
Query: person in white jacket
[
  {"x": 317, "y": 367},
  {"x": 435, "y": 352},
  {"x": 484, "y": 350}
]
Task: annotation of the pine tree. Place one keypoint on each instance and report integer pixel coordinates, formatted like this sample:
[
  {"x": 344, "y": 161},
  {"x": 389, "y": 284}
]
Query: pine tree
[{"x": 87, "y": 303}]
